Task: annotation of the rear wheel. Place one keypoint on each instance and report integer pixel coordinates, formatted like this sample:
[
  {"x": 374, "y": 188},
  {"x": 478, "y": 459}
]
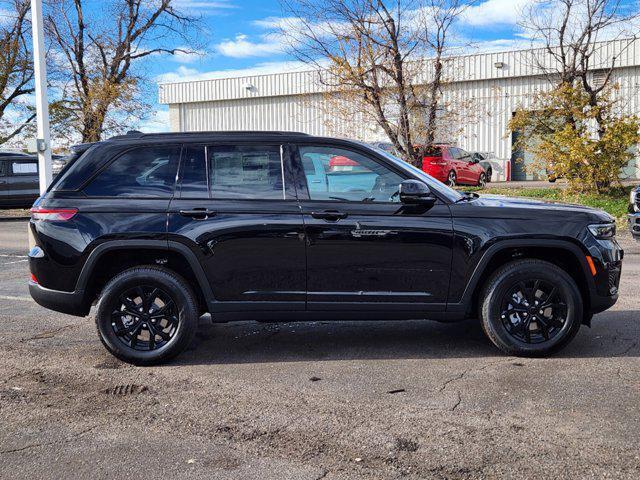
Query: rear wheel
[
  {"x": 531, "y": 308},
  {"x": 452, "y": 178},
  {"x": 146, "y": 315},
  {"x": 482, "y": 180}
]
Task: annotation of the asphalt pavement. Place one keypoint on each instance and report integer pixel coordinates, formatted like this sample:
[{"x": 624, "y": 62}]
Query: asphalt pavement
[{"x": 330, "y": 400}]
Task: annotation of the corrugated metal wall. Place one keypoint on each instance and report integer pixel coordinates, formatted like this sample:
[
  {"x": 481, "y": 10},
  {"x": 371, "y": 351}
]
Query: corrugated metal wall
[{"x": 484, "y": 102}]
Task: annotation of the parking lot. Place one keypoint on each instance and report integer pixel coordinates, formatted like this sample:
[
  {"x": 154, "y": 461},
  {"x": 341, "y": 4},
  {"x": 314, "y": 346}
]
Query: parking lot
[{"x": 315, "y": 400}]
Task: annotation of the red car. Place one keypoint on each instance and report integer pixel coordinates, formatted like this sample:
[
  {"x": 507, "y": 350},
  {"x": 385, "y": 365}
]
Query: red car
[{"x": 454, "y": 166}]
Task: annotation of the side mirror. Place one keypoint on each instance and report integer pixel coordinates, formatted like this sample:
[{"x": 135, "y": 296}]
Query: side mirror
[{"x": 414, "y": 192}]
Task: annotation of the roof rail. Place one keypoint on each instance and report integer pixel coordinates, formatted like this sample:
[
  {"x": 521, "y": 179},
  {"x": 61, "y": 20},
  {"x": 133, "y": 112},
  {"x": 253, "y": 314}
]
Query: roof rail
[{"x": 137, "y": 134}]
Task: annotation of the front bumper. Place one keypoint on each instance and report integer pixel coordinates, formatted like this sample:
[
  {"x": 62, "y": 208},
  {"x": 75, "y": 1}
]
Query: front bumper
[{"x": 71, "y": 303}]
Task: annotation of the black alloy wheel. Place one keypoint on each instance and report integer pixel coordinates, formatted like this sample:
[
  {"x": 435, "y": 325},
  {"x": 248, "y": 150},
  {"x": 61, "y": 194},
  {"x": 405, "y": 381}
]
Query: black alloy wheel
[
  {"x": 147, "y": 315},
  {"x": 533, "y": 311},
  {"x": 530, "y": 307},
  {"x": 145, "y": 319}
]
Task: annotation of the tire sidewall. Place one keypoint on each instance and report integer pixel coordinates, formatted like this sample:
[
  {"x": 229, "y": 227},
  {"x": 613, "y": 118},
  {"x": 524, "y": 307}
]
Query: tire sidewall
[
  {"x": 173, "y": 287},
  {"x": 504, "y": 281}
]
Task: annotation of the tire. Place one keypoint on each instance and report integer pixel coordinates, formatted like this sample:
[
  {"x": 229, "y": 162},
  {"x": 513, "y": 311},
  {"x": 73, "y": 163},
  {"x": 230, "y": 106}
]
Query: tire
[
  {"x": 552, "y": 179},
  {"x": 173, "y": 311},
  {"x": 482, "y": 180},
  {"x": 513, "y": 333},
  {"x": 489, "y": 175},
  {"x": 452, "y": 178}
]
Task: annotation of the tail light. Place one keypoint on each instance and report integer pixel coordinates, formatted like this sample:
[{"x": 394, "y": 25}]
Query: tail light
[{"x": 53, "y": 214}]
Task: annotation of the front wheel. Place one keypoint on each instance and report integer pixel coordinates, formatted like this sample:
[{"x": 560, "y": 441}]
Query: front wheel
[
  {"x": 146, "y": 315},
  {"x": 530, "y": 308}
]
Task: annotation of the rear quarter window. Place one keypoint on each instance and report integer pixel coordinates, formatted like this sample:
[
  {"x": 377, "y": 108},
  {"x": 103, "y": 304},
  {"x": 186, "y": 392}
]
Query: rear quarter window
[{"x": 148, "y": 171}]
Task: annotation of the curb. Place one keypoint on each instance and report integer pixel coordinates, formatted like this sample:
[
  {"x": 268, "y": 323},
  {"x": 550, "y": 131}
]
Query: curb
[{"x": 14, "y": 219}]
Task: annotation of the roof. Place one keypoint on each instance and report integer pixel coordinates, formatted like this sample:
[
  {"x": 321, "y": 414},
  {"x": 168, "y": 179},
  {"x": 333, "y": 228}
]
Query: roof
[{"x": 460, "y": 68}]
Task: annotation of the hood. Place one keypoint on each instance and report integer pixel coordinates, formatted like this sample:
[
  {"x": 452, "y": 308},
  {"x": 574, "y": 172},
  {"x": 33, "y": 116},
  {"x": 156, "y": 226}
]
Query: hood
[{"x": 498, "y": 206}]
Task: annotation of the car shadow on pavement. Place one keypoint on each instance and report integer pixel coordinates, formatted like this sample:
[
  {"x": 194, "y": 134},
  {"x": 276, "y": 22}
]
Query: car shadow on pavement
[{"x": 613, "y": 334}]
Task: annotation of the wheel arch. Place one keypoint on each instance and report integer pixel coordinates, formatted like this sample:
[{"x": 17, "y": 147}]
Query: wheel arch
[
  {"x": 563, "y": 253},
  {"x": 112, "y": 257}
]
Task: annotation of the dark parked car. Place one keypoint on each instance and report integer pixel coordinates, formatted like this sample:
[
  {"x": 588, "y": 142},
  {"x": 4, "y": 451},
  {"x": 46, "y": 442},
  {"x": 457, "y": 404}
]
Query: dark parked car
[
  {"x": 484, "y": 159},
  {"x": 19, "y": 184},
  {"x": 634, "y": 213},
  {"x": 158, "y": 229}
]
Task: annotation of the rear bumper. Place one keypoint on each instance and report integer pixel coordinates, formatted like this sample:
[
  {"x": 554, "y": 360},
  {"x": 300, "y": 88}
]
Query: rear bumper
[{"x": 71, "y": 303}]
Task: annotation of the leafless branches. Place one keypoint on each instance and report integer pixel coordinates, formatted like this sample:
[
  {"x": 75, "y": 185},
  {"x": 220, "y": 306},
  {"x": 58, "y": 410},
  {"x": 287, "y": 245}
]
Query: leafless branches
[
  {"x": 382, "y": 59},
  {"x": 99, "y": 50},
  {"x": 16, "y": 71}
]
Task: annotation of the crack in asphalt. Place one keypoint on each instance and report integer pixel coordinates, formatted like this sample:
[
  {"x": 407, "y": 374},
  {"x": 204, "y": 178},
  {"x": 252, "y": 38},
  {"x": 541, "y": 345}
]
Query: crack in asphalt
[
  {"x": 48, "y": 333},
  {"x": 44, "y": 444}
]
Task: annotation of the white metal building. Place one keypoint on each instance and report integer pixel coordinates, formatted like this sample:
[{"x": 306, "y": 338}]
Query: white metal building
[{"x": 493, "y": 84}]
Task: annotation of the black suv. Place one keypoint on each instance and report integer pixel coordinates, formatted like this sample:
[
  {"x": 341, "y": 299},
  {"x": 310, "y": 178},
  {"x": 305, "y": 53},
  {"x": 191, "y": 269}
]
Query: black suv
[{"x": 159, "y": 229}]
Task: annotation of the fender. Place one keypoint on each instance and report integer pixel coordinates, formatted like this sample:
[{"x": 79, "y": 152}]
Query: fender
[
  {"x": 163, "y": 245},
  {"x": 472, "y": 283}
]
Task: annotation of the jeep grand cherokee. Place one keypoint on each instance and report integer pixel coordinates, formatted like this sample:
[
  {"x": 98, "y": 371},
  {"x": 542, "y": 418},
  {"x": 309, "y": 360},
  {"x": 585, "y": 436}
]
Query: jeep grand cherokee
[{"x": 158, "y": 229}]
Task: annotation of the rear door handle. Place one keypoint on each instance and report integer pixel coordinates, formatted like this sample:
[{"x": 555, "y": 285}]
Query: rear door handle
[
  {"x": 198, "y": 213},
  {"x": 329, "y": 215}
]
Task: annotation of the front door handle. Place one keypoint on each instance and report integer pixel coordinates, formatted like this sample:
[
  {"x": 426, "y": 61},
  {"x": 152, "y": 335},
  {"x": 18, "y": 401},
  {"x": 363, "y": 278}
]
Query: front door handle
[
  {"x": 329, "y": 215},
  {"x": 198, "y": 213}
]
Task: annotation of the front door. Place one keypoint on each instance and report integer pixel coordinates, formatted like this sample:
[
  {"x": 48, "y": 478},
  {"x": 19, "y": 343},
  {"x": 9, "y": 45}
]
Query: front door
[
  {"x": 235, "y": 211},
  {"x": 365, "y": 250}
]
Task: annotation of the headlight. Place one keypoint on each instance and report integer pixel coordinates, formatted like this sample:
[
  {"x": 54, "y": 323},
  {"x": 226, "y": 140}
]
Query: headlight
[{"x": 603, "y": 231}]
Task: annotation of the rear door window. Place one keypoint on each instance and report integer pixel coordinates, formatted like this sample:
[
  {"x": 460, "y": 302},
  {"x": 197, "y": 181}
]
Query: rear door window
[
  {"x": 245, "y": 172},
  {"x": 148, "y": 171}
]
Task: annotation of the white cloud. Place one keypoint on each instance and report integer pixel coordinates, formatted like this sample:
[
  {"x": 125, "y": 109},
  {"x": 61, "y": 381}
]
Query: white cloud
[
  {"x": 203, "y": 7},
  {"x": 494, "y": 12},
  {"x": 242, "y": 47},
  {"x": 186, "y": 74}
]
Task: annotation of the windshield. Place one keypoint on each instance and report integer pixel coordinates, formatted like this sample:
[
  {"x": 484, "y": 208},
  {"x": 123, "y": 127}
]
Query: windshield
[{"x": 435, "y": 185}]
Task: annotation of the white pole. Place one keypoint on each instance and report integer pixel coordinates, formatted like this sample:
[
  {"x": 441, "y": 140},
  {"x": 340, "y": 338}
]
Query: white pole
[{"x": 42, "y": 103}]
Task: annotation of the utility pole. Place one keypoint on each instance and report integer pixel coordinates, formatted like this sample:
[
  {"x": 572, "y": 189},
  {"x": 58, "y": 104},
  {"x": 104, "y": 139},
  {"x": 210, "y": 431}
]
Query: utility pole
[{"x": 43, "y": 142}]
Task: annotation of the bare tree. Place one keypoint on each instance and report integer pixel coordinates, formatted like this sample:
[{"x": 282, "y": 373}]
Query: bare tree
[
  {"x": 16, "y": 71},
  {"x": 98, "y": 51},
  {"x": 572, "y": 32},
  {"x": 387, "y": 57}
]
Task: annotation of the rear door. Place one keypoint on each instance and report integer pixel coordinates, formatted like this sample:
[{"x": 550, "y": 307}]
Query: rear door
[
  {"x": 365, "y": 250},
  {"x": 22, "y": 180},
  {"x": 237, "y": 211}
]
